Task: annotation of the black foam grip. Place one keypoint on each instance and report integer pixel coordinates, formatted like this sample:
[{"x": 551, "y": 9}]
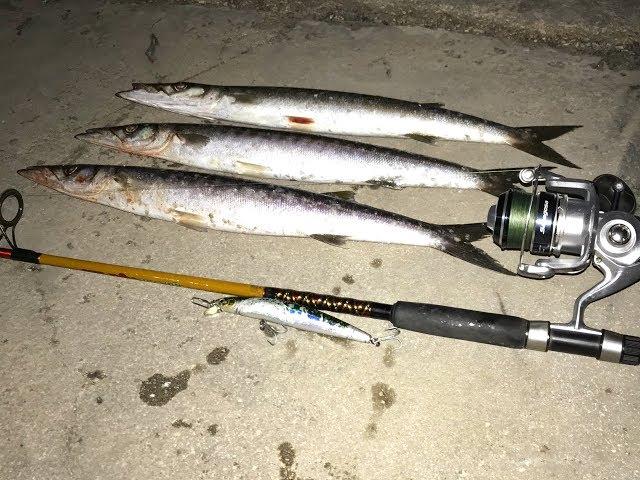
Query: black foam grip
[
  {"x": 630, "y": 350},
  {"x": 471, "y": 325}
]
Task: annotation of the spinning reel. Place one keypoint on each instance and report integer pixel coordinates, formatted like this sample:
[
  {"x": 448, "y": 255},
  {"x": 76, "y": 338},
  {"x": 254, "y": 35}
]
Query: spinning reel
[{"x": 574, "y": 223}]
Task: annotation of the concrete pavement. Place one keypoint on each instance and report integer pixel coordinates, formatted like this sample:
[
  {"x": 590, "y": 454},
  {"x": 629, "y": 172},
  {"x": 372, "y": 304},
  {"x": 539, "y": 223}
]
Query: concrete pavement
[{"x": 107, "y": 378}]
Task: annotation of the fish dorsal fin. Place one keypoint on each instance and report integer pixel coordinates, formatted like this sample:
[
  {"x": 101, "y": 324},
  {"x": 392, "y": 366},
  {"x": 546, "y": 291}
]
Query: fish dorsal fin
[
  {"x": 244, "y": 98},
  {"x": 334, "y": 240},
  {"x": 193, "y": 139},
  {"x": 343, "y": 195},
  {"x": 421, "y": 138},
  {"x": 432, "y": 105}
]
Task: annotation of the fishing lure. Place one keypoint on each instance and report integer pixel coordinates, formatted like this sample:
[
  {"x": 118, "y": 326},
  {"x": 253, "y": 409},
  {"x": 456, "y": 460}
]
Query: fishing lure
[{"x": 271, "y": 311}]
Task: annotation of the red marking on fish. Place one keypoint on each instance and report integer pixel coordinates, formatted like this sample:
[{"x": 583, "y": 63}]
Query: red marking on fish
[{"x": 300, "y": 120}]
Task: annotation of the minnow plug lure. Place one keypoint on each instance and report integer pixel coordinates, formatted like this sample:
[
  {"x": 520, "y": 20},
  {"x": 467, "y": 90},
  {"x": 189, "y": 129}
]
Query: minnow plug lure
[{"x": 271, "y": 311}]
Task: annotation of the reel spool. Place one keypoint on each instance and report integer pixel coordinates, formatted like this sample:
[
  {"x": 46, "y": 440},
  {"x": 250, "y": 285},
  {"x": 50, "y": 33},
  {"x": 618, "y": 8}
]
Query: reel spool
[{"x": 561, "y": 220}]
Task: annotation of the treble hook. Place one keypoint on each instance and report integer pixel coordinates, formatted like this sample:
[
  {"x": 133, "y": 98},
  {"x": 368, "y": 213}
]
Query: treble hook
[
  {"x": 271, "y": 331},
  {"x": 201, "y": 302},
  {"x": 392, "y": 335},
  {"x": 6, "y": 225}
]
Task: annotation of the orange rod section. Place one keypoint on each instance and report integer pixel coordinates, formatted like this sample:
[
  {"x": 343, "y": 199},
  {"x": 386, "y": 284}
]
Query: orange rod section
[{"x": 154, "y": 276}]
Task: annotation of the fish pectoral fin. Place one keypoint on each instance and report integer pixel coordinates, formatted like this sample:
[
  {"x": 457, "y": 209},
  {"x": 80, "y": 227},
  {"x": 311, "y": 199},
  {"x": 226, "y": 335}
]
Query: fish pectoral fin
[
  {"x": 244, "y": 98},
  {"x": 193, "y": 139},
  {"x": 189, "y": 220},
  {"x": 334, "y": 240},
  {"x": 253, "y": 169},
  {"x": 421, "y": 138},
  {"x": 343, "y": 195}
]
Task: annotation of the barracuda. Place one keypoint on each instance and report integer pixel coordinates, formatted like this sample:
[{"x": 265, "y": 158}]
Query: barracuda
[
  {"x": 341, "y": 113},
  {"x": 294, "y": 156},
  {"x": 203, "y": 201}
]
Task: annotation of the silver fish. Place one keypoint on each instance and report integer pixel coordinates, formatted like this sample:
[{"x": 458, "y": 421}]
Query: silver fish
[
  {"x": 274, "y": 311},
  {"x": 204, "y": 201},
  {"x": 341, "y": 113},
  {"x": 294, "y": 156}
]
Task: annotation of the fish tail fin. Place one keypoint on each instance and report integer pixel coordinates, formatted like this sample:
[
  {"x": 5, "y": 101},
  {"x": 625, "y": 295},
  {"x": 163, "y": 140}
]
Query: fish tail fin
[
  {"x": 473, "y": 255},
  {"x": 498, "y": 181},
  {"x": 455, "y": 241},
  {"x": 529, "y": 140},
  {"x": 549, "y": 132}
]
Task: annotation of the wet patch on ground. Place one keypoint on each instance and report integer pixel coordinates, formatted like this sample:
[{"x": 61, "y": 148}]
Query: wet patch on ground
[
  {"x": 180, "y": 423},
  {"x": 389, "y": 358},
  {"x": 287, "y": 456},
  {"x": 96, "y": 375},
  {"x": 338, "y": 473},
  {"x": 158, "y": 389},
  {"x": 217, "y": 355},
  {"x": 376, "y": 263},
  {"x": 348, "y": 279},
  {"x": 382, "y": 396}
]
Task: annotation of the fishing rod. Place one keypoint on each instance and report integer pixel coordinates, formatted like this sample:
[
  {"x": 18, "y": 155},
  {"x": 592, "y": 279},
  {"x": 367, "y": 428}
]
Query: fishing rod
[{"x": 508, "y": 223}]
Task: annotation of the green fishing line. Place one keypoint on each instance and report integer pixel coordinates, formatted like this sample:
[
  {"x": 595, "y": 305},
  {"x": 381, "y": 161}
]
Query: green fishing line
[{"x": 519, "y": 211}]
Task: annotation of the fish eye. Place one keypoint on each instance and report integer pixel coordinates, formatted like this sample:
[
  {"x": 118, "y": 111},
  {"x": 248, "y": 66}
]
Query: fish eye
[
  {"x": 179, "y": 87},
  {"x": 68, "y": 171},
  {"x": 130, "y": 129}
]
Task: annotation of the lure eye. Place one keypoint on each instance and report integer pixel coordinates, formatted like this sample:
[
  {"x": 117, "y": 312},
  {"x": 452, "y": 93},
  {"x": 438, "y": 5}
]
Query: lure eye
[
  {"x": 179, "y": 87},
  {"x": 130, "y": 129}
]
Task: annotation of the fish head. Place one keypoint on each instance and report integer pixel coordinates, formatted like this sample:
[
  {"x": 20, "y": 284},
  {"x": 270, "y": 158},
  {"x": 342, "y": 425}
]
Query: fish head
[
  {"x": 143, "y": 138},
  {"x": 170, "y": 96},
  {"x": 76, "y": 180}
]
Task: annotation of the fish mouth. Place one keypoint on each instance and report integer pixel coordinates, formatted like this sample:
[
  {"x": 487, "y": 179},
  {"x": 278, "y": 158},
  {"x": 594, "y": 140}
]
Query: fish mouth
[
  {"x": 138, "y": 89},
  {"x": 41, "y": 175},
  {"x": 100, "y": 136}
]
